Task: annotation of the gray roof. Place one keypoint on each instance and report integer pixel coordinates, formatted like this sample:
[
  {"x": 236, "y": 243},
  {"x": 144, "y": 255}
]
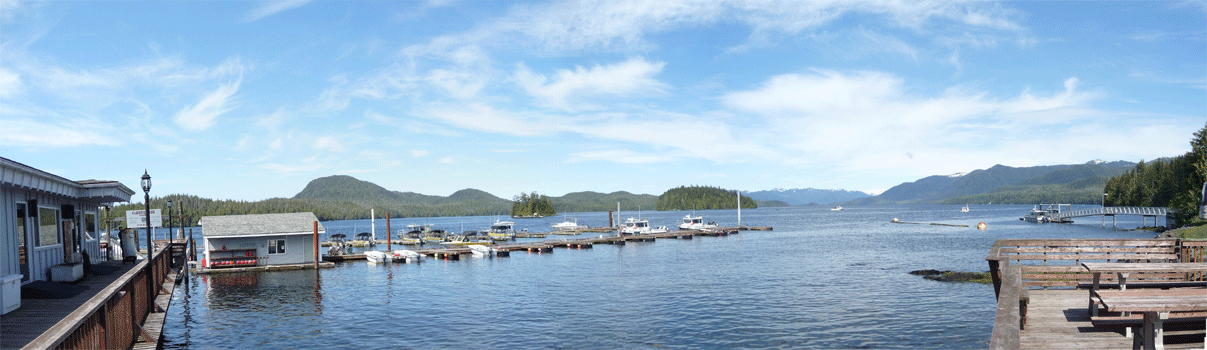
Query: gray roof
[{"x": 259, "y": 224}]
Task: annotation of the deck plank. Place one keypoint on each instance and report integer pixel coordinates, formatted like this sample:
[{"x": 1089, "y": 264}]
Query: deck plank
[
  {"x": 1058, "y": 319},
  {"x": 36, "y": 316}
]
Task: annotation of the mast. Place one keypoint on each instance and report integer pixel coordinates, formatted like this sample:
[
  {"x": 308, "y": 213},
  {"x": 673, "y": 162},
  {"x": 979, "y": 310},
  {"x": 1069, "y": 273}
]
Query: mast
[{"x": 739, "y": 209}]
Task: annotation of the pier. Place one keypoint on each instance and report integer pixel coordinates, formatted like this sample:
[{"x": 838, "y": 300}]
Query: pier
[
  {"x": 1047, "y": 297},
  {"x": 547, "y": 246}
]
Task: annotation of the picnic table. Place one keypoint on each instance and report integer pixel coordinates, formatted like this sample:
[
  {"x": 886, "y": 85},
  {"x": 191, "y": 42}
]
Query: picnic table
[
  {"x": 1155, "y": 305},
  {"x": 1125, "y": 269}
]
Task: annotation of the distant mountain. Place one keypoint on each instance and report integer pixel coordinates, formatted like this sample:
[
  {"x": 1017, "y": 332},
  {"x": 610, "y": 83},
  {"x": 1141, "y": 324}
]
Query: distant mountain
[
  {"x": 594, "y": 201},
  {"x": 1080, "y": 183},
  {"x": 804, "y": 196}
]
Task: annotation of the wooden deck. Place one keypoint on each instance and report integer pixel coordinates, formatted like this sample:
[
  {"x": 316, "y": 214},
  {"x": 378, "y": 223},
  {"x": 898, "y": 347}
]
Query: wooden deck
[
  {"x": 35, "y": 316},
  {"x": 1059, "y": 319}
]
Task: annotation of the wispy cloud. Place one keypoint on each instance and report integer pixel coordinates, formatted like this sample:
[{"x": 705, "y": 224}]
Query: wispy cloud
[
  {"x": 568, "y": 89},
  {"x": 10, "y": 83},
  {"x": 213, "y": 104},
  {"x": 272, "y": 7},
  {"x": 72, "y": 132}
]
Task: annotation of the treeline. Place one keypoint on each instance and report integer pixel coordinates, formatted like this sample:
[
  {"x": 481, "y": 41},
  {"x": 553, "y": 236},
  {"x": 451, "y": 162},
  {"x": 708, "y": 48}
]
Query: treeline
[
  {"x": 701, "y": 197},
  {"x": 531, "y": 205},
  {"x": 1173, "y": 183}
]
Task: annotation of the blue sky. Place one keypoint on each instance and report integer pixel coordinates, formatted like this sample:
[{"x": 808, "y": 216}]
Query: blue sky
[{"x": 253, "y": 99}]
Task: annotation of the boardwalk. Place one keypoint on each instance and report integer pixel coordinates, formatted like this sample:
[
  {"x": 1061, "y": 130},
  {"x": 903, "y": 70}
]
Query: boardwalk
[
  {"x": 1059, "y": 319},
  {"x": 35, "y": 316}
]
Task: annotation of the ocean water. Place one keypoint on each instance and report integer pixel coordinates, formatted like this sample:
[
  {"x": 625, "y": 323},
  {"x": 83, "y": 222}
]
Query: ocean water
[{"x": 820, "y": 279}]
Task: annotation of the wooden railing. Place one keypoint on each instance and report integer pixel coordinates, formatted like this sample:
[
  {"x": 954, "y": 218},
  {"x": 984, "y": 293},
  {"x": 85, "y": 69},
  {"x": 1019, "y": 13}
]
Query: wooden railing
[
  {"x": 1011, "y": 306},
  {"x": 112, "y": 318}
]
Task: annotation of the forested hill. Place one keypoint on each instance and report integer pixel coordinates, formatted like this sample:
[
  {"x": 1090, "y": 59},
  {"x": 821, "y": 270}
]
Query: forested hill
[
  {"x": 701, "y": 197},
  {"x": 1080, "y": 183},
  {"x": 802, "y": 196}
]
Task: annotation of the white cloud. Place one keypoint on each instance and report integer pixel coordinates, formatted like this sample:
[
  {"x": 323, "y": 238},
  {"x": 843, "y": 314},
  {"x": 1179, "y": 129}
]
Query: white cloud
[
  {"x": 622, "y": 156},
  {"x": 328, "y": 143},
  {"x": 70, "y": 133},
  {"x": 10, "y": 83},
  {"x": 272, "y": 7},
  {"x": 201, "y": 116},
  {"x": 418, "y": 153},
  {"x": 571, "y": 87}
]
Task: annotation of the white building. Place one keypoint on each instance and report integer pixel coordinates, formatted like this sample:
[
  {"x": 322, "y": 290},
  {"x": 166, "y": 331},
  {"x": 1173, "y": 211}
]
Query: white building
[
  {"x": 259, "y": 239},
  {"x": 47, "y": 220}
]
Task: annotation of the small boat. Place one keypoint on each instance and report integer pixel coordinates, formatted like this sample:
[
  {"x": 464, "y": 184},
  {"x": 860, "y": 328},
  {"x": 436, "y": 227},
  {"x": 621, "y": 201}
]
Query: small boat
[
  {"x": 377, "y": 256},
  {"x": 640, "y": 226},
  {"x": 412, "y": 235},
  {"x": 838, "y": 208},
  {"x": 469, "y": 238},
  {"x": 502, "y": 230},
  {"x": 964, "y": 209},
  {"x": 337, "y": 245},
  {"x": 570, "y": 224},
  {"x": 406, "y": 256},
  {"x": 1052, "y": 214},
  {"x": 364, "y": 239},
  {"x": 431, "y": 235},
  {"x": 695, "y": 223},
  {"x": 481, "y": 251}
]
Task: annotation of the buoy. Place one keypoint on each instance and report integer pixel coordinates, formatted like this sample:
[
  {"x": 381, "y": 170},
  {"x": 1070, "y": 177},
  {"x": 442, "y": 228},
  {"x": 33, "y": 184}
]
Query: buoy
[
  {"x": 980, "y": 226},
  {"x": 895, "y": 220}
]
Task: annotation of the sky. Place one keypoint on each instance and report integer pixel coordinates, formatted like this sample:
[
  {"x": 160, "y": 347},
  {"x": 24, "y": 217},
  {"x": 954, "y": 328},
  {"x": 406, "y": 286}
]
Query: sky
[{"x": 249, "y": 100}]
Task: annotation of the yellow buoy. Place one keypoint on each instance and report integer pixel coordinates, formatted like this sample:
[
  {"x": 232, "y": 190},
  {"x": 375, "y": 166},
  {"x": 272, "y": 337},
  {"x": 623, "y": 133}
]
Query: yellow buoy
[{"x": 980, "y": 226}]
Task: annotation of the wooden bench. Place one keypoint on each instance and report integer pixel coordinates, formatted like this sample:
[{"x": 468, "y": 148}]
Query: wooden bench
[
  {"x": 1156, "y": 306},
  {"x": 1048, "y": 263}
]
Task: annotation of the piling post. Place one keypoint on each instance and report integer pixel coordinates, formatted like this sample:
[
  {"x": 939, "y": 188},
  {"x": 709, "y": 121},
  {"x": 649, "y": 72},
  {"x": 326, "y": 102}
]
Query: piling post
[
  {"x": 316, "y": 245},
  {"x": 389, "y": 230}
]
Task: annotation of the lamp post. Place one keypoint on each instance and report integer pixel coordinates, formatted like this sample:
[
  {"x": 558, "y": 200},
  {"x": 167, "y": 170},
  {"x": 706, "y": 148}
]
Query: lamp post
[{"x": 150, "y": 268}]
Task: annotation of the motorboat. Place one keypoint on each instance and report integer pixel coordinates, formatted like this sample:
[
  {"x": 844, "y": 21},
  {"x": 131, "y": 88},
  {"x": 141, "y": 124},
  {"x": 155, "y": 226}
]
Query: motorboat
[
  {"x": 363, "y": 239},
  {"x": 838, "y": 208},
  {"x": 407, "y": 256},
  {"x": 640, "y": 226},
  {"x": 502, "y": 230},
  {"x": 964, "y": 209},
  {"x": 431, "y": 235},
  {"x": 481, "y": 250},
  {"x": 412, "y": 235},
  {"x": 1051, "y": 214},
  {"x": 469, "y": 238},
  {"x": 337, "y": 247},
  {"x": 695, "y": 223},
  {"x": 377, "y": 256},
  {"x": 570, "y": 224}
]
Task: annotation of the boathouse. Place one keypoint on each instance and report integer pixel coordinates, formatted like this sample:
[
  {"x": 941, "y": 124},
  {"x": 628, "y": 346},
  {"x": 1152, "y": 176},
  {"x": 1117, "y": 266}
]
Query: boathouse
[
  {"x": 48, "y": 225},
  {"x": 259, "y": 239}
]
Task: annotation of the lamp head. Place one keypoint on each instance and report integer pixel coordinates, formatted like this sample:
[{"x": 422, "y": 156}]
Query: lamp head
[{"x": 146, "y": 181}]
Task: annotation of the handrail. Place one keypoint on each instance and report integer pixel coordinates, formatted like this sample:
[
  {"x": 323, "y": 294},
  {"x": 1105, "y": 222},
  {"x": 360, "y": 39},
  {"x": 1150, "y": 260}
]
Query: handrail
[
  {"x": 88, "y": 313},
  {"x": 1007, "y": 324}
]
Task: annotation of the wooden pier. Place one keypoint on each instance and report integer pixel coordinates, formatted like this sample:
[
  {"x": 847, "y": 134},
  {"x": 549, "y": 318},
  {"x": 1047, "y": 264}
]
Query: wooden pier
[{"x": 1043, "y": 291}]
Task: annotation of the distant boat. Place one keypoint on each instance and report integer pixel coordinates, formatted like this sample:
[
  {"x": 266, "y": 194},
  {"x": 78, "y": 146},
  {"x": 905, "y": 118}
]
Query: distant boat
[
  {"x": 412, "y": 235},
  {"x": 838, "y": 208},
  {"x": 695, "y": 223},
  {"x": 964, "y": 209},
  {"x": 502, "y": 230},
  {"x": 571, "y": 224},
  {"x": 1052, "y": 214},
  {"x": 469, "y": 238},
  {"x": 640, "y": 226}
]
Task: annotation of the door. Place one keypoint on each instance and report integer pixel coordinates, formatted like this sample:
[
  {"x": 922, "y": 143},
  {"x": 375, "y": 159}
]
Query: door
[{"x": 23, "y": 240}]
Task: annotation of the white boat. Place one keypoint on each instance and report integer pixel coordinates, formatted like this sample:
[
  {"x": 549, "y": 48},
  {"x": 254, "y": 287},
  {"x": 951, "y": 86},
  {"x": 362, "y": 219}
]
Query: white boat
[
  {"x": 964, "y": 209},
  {"x": 377, "y": 256},
  {"x": 640, "y": 226},
  {"x": 407, "y": 256},
  {"x": 412, "y": 235},
  {"x": 469, "y": 238},
  {"x": 695, "y": 223},
  {"x": 481, "y": 251},
  {"x": 838, "y": 208},
  {"x": 502, "y": 230},
  {"x": 571, "y": 224}
]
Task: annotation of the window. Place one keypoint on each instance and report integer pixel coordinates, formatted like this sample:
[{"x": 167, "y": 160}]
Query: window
[
  {"x": 276, "y": 246},
  {"x": 48, "y": 230},
  {"x": 89, "y": 225}
]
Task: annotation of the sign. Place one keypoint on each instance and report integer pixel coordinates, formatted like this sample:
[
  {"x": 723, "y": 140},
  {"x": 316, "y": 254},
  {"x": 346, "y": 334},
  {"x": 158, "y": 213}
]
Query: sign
[{"x": 138, "y": 218}]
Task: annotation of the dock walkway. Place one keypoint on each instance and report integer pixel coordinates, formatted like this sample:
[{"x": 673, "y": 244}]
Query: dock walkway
[
  {"x": 36, "y": 316},
  {"x": 1060, "y": 319}
]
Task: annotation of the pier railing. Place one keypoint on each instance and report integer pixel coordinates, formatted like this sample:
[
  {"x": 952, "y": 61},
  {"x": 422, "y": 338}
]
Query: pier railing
[{"x": 112, "y": 318}]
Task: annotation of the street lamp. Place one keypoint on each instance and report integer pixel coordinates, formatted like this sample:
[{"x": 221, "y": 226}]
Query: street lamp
[{"x": 150, "y": 268}]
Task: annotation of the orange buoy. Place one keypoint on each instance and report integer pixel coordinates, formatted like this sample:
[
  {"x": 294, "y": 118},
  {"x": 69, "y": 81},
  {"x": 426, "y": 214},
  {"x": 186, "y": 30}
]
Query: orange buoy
[{"x": 981, "y": 226}]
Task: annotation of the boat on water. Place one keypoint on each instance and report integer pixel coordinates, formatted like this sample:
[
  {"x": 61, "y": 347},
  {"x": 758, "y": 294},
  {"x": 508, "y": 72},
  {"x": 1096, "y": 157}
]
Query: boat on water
[
  {"x": 364, "y": 239},
  {"x": 413, "y": 234},
  {"x": 570, "y": 224},
  {"x": 696, "y": 223},
  {"x": 481, "y": 251},
  {"x": 406, "y": 256},
  {"x": 838, "y": 208},
  {"x": 338, "y": 245},
  {"x": 502, "y": 230},
  {"x": 377, "y": 257},
  {"x": 434, "y": 235},
  {"x": 1051, "y": 214},
  {"x": 469, "y": 238},
  {"x": 640, "y": 226},
  {"x": 964, "y": 209}
]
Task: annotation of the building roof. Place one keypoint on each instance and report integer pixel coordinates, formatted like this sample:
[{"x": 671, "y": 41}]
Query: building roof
[
  {"x": 22, "y": 176},
  {"x": 259, "y": 224}
]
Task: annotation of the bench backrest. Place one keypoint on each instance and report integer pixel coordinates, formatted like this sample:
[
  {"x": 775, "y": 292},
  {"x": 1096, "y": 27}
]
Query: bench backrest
[{"x": 1057, "y": 262}]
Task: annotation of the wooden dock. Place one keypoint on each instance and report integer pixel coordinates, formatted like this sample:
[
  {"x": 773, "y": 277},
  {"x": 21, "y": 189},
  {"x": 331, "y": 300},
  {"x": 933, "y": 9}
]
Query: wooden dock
[{"x": 1060, "y": 319}]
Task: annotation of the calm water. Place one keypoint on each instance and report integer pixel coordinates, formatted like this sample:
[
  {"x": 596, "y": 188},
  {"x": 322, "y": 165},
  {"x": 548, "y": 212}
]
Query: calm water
[{"x": 821, "y": 279}]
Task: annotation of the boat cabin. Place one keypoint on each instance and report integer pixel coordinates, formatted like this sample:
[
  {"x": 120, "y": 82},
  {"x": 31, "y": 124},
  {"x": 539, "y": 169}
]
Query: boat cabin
[{"x": 259, "y": 239}]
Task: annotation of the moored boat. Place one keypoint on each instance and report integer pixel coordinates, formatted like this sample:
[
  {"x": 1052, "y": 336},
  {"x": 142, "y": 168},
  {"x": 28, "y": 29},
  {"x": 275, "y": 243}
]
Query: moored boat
[
  {"x": 407, "y": 256},
  {"x": 502, "y": 230},
  {"x": 695, "y": 223},
  {"x": 570, "y": 224},
  {"x": 640, "y": 226},
  {"x": 376, "y": 256},
  {"x": 469, "y": 238},
  {"x": 412, "y": 235}
]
